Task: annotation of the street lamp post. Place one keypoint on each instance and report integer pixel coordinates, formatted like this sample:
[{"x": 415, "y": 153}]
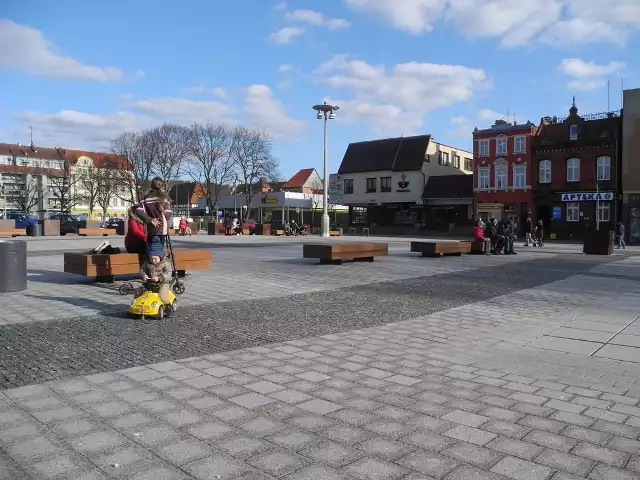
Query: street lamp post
[{"x": 325, "y": 112}]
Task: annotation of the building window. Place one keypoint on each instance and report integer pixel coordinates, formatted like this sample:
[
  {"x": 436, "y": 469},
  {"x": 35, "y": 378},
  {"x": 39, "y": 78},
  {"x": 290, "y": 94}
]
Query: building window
[
  {"x": 519, "y": 176},
  {"x": 573, "y": 170},
  {"x": 544, "y": 171},
  {"x": 573, "y": 132},
  {"x": 122, "y": 204},
  {"x": 604, "y": 212},
  {"x": 483, "y": 147},
  {"x": 444, "y": 158},
  {"x": 501, "y": 146},
  {"x": 501, "y": 175},
  {"x": 483, "y": 178},
  {"x": 456, "y": 161},
  {"x": 604, "y": 168},
  {"x": 348, "y": 185},
  {"x": 573, "y": 212},
  {"x": 520, "y": 144},
  {"x": 385, "y": 184},
  {"x": 371, "y": 185},
  {"x": 468, "y": 164}
]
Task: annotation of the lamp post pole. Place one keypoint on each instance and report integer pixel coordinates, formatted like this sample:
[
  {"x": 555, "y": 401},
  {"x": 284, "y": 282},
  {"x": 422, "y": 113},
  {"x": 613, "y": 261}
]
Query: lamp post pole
[{"x": 325, "y": 112}]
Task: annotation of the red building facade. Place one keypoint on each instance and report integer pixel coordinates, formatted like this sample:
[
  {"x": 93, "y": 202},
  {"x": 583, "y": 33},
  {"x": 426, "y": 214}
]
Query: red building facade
[{"x": 503, "y": 170}]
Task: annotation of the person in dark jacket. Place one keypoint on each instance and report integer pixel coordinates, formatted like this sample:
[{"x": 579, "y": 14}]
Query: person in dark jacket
[
  {"x": 494, "y": 235},
  {"x": 620, "y": 235},
  {"x": 538, "y": 234},
  {"x": 155, "y": 210},
  {"x": 528, "y": 229},
  {"x": 505, "y": 230}
]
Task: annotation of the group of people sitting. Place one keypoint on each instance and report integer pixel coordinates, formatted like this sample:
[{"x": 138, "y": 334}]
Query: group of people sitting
[
  {"x": 232, "y": 226},
  {"x": 499, "y": 237}
]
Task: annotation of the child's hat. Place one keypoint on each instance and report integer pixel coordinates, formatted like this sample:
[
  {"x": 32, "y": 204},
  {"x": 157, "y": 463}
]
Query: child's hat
[{"x": 156, "y": 248}]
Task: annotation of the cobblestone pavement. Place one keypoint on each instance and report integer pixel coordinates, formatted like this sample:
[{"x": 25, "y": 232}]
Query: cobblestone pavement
[{"x": 414, "y": 386}]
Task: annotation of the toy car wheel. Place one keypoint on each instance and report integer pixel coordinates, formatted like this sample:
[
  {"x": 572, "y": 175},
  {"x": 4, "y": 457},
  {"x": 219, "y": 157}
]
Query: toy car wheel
[
  {"x": 179, "y": 288},
  {"x": 160, "y": 314},
  {"x": 125, "y": 288}
]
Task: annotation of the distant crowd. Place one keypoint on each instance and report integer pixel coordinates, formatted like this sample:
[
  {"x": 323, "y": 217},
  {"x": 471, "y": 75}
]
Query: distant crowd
[{"x": 499, "y": 237}]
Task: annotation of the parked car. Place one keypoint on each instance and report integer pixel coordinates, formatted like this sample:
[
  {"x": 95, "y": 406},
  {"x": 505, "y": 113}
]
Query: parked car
[
  {"x": 68, "y": 223},
  {"x": 251, "y": 224},
  {"x": 23, "y": 220},
  {"x": 114, "y": 223}
]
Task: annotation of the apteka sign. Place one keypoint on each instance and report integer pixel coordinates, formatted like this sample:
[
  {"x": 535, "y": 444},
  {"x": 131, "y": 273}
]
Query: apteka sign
[{"x": 586, "y": 196}]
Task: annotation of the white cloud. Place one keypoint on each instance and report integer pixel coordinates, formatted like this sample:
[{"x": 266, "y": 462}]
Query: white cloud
[
  {"x": 578, "y": 68},
  {"x": 557, "y": 22},
  {"x": 461, "y": 127},
  {"x": 27, "y": 49},
  {"x": 264, "y": 111},
  {"x": 397, "y": 99},
  {"x": 76, "y": 129},
  {"x": 285, "y": 68},
  {"x": 588, "y": 75},
  {"x": 285, "y": 35},
  {"x": 488, "y": 114},
  {"x": 139, "y": 73},
  {"x": 219, "y": 92},
  {"x": 317, "y": 19}
]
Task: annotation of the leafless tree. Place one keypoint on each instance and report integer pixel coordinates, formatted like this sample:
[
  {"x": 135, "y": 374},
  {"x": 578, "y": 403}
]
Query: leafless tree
[
  {"x": 107, "y": 186},
  {"x": 27, "y": 195},
  {"x": 171, "y": 144},
  {"x": 211, "y": 161},
  {"x": 138, "y": 152},
  {"x": 89, "y": 186},
  {"x": 316, "y": 201},
  {"x": 253, "y": 159},
  {"x": 63, "y": 187}
]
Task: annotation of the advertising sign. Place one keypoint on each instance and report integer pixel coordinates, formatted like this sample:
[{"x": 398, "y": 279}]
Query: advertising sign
[{"x": 587, "y": 196}]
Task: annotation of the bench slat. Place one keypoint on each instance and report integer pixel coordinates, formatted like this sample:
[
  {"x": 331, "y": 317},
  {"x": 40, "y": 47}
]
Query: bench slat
[
  {"x": 96, "y": 231},
  {"x": 439, "y": 248}
]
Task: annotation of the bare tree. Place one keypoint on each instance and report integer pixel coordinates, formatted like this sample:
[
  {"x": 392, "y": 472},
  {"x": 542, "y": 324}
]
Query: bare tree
[
  {"x": 63, "y": 187},
  {"x": 171, "y": 144},
  {"x": 138, "y": 152},
  {"x": 251, "y": 153},
  {"x": 107, "y": 186},
  {"x": 211, "y": 163},
  {"x": 316, "y": 188},
  {"x": 89, "y": 186},
  {"x": 28, "y": 196}
]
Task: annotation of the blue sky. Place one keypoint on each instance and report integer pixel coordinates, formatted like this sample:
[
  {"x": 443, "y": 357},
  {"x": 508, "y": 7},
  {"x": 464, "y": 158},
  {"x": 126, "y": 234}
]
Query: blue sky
[{"x": 82, "y": 72}]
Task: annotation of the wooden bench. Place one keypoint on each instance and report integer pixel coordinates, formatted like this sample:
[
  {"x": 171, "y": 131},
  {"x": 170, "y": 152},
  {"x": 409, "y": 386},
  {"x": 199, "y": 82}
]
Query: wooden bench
[
  {"x": 437, "y": 249},
  {"x": 279, "y": 232},
  {"x": 104, "y": 267},
  {"x": 477, "y": 247},
  {"x": 334, "y": 253},
  {"x": 13, "y": 232},
  {"x": 83, "y": 232},
  {"x": 334, "y": 233}
]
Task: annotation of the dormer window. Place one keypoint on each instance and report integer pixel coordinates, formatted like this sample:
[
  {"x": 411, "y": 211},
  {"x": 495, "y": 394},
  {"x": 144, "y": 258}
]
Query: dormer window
[{"x": 573, "y": 132}]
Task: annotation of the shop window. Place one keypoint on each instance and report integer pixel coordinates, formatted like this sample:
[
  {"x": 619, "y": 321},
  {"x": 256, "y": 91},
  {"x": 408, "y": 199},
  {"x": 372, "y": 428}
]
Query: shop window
[
  {"x": 385, "y": 184},
  {"x": 604, "y": 212},
  {"x": 371, "y": 185},
  {"x": 573, "y": 212}
]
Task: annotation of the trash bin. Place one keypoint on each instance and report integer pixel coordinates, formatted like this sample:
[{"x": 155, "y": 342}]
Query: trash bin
[
  {"x": 35, "y": 230},
  {"x": 13, "y": 266}
]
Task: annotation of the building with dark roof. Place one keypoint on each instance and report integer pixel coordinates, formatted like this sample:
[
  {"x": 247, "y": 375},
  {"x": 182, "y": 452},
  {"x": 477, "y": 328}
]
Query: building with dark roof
[
  {"x": 577, "y": 186},
  {"x": 383, "y": 181}
]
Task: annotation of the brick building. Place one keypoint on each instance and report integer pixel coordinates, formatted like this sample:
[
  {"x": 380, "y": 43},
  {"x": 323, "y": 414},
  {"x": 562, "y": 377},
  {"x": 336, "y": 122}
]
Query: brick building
[
  {"x": 577, "y": 182},
  {"x": 503, "y": 170}
]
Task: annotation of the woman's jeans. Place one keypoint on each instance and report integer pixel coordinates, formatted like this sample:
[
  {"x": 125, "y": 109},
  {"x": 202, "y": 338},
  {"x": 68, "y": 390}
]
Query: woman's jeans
[{"x": 621, "y": 243}]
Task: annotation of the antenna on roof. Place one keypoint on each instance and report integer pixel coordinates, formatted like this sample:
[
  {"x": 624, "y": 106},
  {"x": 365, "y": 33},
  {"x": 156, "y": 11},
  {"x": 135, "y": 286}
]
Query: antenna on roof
[
  {"x": 608, "y": 94},
  {"x": 31, "y": 136}
]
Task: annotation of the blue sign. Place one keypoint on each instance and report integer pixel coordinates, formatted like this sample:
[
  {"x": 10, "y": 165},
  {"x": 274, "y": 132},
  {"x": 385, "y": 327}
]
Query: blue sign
[
  {"x": 219, "y": 213},
  {"x": 556, "y": 213},
  {"x": 586, "y": 196}
]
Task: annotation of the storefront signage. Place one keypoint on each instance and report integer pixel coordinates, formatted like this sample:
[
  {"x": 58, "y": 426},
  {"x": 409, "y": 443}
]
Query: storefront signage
[
  {"x": 269, "y": 199},
  {"x": 587, "y": 196},
  {"x": 403, "y": 184},
  {"x": 556, "y": 213}
]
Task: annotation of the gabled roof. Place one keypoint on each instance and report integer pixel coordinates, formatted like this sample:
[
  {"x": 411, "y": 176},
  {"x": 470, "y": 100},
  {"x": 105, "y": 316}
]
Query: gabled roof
[
  {"x": 100, "y": 160},
  {"x": 299, "y": 179},
  {"x": 8, "y": 149},
  {"x": 397, "y": 154},
  {"x": 449, "y": 186}
]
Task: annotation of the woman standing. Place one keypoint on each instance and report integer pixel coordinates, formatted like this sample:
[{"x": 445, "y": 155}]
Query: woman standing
[
  {"x": 528, "y": 229},
  {"x": 155, "y": 210}
]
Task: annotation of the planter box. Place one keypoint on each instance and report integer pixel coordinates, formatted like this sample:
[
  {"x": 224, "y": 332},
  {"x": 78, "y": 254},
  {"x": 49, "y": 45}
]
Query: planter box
[
  {"x": 263, "y": 229},
  {"x": 50, "y": 228},
  {"x": 599, "y": 242},
  {"x": 215, "y": 229}
]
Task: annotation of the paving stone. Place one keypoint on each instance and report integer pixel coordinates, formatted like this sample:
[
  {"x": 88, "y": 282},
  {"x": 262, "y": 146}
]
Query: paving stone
[
  {"x": 58, "y": 467},
  {"x": 471, "y": 435},
  {"x": 312, "y": 376},
  {"x": 385, "y": 448},
  {"x": 617, "y": 429},
  {"x": 601, "y": 454},
  {"x": 181, "y": 452},
  {"x": 262, "y": 426},
  {"x": 154, "y": 435},
  {"x": 184, "y": 373},
  {"x": 467, "y": 472},
  {"x": 573, "y": 419},
  {"x": 346, "y": 434},
  {"x": 316, "y": 472},
  {"x": 232, "y": 413},
  {"x": 432, "y": 464},
  {"x": 515, "y": 448},
  {"x": 242, "y": 446},
  {"x": 465, "y": 418},
  {"x": 210, "y": 430},
  {"x": 551, "y": 440},
  {"x": 75, "y": 426},
  {"x": 332, "y": 453},
  {"x": 429, "y": 441},
  {"x": 290, "y": 396},
  {"x": 542, "y": 423},
  {"x": 161, "y": 473},
  {"x": 389, "y": 428},
  {"x": 55, "y": 415},
  {"x": 96, "y": 442},
  {"x": 605, "y": 472},
  {"x": 588, "y": 435},
  {"x": 110, "y": 409},
  {"x": 37, "y": 447},
  {"x": 371, "y": 468},
  {"x": 126, "y": 461},
  {"x": 319, "y": 406},
  {"x": 502, "y": 414},
  {"x": 479, "y": 456},
  {"x": 278, "y": 463},
  {"x": 634, "y": 464},
  {"x": 215, "y": 466},
  {"x": 565, "y": 462},
  {"x": 506, "y": 429},
  {"x": 624, "y": 445},
  {"x": 521, "y": 469},
  {"x": 293, "y": 439},
  {"x": 203, "y": 381},
  {"x": 252, "y": 400},
  {"x": 313, "y": 423}
]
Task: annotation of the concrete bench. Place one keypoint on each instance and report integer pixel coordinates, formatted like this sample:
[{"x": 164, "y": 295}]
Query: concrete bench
[
  {"x": 437, "y": 249},
  {"x": 13, "y": 232},
  {"x": 334, "y": 253},
  {"x": 104, "y": 267},
  {"x": 84, "y": 232}
]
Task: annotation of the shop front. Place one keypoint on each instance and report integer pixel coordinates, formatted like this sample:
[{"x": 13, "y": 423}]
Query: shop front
[
  {"x": 633, "y": 219},
  {"x": 575, "y": 215},
  {"x": 388, "y": 218}
]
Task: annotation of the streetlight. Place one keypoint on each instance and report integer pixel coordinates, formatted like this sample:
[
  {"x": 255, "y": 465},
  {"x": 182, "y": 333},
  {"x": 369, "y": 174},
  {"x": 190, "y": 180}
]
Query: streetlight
[{"x": 325, "y": 112}]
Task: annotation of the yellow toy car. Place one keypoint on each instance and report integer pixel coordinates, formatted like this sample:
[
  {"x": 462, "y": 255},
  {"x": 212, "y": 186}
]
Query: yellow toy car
[{"x": 149, "y": 304}]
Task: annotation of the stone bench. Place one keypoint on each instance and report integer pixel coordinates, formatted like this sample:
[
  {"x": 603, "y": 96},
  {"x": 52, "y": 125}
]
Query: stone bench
[
  {"x": 13, "y": 232},
  {"x": 104, "y": 267},
  {"x": 84, "y": 232},
  {"x": 437, "y": 249},
  {"x": 334, "y": 253}
]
